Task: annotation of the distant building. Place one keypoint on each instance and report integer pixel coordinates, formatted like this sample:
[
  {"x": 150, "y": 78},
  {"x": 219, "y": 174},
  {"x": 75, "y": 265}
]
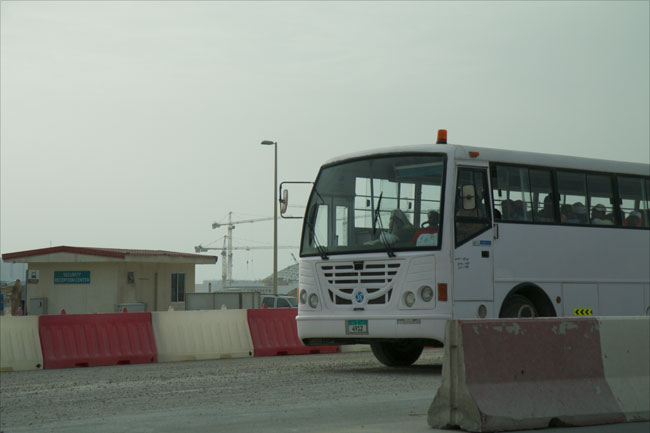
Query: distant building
[
  {"x": 234, "y": 285},
  {"x": 101, "y": 280},
  {"x": 287, "y": 282},
  {"x": 287, "y": 279}
]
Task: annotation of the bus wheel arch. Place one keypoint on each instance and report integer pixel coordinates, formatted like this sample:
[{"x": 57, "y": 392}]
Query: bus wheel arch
[{"x": 532, "y": 293}]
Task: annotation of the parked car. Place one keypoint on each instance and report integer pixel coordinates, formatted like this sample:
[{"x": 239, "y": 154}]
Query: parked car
[{"x": 279, "y": 301}]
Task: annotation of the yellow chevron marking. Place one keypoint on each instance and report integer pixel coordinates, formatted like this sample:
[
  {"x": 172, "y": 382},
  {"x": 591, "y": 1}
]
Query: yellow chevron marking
[{"x": 582, "y": 311}]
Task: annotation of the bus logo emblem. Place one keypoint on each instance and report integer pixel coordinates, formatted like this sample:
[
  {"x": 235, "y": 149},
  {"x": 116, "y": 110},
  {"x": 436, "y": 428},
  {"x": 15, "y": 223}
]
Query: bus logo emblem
[{"x": 359, "y": 297}]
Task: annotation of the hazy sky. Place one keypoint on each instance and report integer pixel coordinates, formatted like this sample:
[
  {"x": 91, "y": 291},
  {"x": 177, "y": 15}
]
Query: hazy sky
[{"x": 137, "y": 124}]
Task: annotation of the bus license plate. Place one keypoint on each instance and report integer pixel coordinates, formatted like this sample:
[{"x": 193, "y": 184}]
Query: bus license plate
[{"x": 356, "y": 327}]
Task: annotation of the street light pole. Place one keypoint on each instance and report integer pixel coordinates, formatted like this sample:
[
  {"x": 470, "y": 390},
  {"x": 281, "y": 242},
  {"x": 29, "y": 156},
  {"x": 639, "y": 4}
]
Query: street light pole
[{"x": 275, "y": 216}]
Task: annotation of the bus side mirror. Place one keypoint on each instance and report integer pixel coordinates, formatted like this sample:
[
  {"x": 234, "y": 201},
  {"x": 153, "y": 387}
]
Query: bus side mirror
[
  {"x": 469, "y": 197},
  {"x": 284, "y": 201},
  {"x": 284, "y": 197}
]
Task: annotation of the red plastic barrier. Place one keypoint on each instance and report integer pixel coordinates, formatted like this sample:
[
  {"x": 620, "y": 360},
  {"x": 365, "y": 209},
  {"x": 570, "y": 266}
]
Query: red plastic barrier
[
  {"x": 274, "y": 332},
  {"x": 88, "y": 340}
]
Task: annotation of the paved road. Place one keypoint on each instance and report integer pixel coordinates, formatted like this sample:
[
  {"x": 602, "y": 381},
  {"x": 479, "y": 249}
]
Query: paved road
[{"x": 349, "y": 392}]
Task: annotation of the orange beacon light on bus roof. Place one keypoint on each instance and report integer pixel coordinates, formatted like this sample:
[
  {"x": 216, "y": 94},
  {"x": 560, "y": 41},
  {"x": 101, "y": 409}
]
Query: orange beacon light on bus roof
[{"x": 442, "y": 136}]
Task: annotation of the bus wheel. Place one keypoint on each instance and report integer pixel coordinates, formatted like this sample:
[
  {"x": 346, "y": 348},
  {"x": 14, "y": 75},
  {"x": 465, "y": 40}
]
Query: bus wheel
[
  {"x": 401, "y": 354},
  {"x": 519, "y": 306}
]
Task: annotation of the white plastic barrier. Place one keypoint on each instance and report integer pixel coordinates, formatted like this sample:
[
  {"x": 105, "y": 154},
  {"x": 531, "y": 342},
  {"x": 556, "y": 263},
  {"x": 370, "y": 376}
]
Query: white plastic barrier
[
  {"x": 20, "y": 345},
  {"x": 198, "y": 335}
]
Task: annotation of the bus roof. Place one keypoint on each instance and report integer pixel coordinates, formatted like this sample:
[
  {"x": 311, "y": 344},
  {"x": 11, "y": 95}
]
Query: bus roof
[{"x": 460, "y": 152}]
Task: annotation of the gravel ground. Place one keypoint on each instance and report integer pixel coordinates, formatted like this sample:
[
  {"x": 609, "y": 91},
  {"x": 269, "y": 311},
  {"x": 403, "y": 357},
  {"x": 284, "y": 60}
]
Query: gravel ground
[
  {"x": 235, "y": 394},
  {"x": 334, "y": 393}
]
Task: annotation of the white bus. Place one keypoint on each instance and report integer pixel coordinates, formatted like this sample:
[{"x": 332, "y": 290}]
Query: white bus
[{"x": 397, "y": 241}]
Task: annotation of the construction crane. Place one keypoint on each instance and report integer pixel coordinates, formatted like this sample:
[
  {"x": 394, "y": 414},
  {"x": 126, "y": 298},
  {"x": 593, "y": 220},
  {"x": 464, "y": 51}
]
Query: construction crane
[
  {"x": 226, "y": 250},
  {"x": 231, "y": 226}
]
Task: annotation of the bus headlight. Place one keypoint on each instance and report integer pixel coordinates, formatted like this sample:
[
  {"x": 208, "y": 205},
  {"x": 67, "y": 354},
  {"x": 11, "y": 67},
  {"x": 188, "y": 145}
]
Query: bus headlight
[
  {"x": 409, "y": 299},
  {"x": 313, "y": 300},
  {"x": 426, "y": 293},
  {"x": 303, "y": 296}
]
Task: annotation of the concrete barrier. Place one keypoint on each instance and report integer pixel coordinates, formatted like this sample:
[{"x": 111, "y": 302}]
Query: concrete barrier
[
  {"x": 20, "y": 345},
  {"x": 626, "y": 358},
  {"x": 197, "y": 335},
  {"x": 518, "y": 374}
]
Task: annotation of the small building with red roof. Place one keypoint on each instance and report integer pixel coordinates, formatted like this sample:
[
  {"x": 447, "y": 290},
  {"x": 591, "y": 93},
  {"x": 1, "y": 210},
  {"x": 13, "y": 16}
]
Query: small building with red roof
[{"x": 102, "y": 280}]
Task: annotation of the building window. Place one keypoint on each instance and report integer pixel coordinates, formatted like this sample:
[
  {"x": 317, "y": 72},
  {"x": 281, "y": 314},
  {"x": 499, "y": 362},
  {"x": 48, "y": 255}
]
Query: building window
[
  {"x": 178, "y": 287},
  {"x": 130, "y": 277}
]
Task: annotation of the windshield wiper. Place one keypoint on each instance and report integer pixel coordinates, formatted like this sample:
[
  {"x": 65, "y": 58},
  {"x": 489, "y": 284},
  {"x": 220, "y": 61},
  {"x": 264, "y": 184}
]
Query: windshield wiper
[
  {"x": 322, "y": 251},
  {"x": 382, "y": 234},
  {"x": 376, "y": 216}
]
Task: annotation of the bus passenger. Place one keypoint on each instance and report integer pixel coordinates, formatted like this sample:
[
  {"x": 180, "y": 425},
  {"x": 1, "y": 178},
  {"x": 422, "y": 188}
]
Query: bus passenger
[
  {"x": 400, "y": 225},
  {"x": 519, "y": 211},
  {"x": 580, "y": 213},
  {"x": 399, "y": 229},
  {"x": 599, "y": 216},
  {"x": 566, "y": 213},
  {"x": 507, "y": 206},
  {"x": 424, "y": 235},
  {"x": 634, "y": 220},
  {"x": 546, "y": 214}
]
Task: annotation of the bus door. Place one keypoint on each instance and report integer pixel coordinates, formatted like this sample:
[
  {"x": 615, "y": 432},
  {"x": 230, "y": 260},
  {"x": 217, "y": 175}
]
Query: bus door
[{"x": 473, "y": 237}]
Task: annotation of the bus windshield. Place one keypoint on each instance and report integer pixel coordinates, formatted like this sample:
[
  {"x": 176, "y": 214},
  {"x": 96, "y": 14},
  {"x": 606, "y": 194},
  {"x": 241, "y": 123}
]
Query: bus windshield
[{"x": 378, "y": 204}]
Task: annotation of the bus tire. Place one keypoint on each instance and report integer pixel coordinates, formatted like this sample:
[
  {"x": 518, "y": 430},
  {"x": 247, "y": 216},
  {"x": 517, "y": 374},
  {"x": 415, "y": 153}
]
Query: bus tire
[
  {"x": 519, "y": 306},
  {"x": 399, "y": 354}
]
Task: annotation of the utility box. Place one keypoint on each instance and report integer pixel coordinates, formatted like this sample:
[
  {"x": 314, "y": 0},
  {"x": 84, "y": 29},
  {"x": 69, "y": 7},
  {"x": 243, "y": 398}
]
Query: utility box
[
  {"x": 37, "y": 306},
  {"x": 216, "y": 300},
  {"x": 199, "y": 301},
  {"x": 251, "y": 300}
]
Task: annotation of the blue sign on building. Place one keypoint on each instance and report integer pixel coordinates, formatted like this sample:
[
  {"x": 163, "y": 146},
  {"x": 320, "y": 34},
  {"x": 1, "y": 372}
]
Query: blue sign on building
[{"x": 71, "y": 277}]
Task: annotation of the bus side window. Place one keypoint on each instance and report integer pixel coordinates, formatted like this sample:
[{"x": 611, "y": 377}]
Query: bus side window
[
  {"x": 542, "y": 187},
  {"x": 601, "y": 199},
  {"x": 635, "y": 201},
  {"x": 572, "y": 189},
  {"x": 517, "y": 191}
]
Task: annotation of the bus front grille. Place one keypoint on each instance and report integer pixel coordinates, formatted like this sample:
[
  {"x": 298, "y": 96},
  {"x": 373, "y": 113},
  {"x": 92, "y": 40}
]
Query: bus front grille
[{"x": 375, "y": 277}]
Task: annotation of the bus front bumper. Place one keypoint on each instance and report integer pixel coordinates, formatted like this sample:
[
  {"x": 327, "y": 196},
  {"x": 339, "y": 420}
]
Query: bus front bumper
[{"x": 355, "y": 329}]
